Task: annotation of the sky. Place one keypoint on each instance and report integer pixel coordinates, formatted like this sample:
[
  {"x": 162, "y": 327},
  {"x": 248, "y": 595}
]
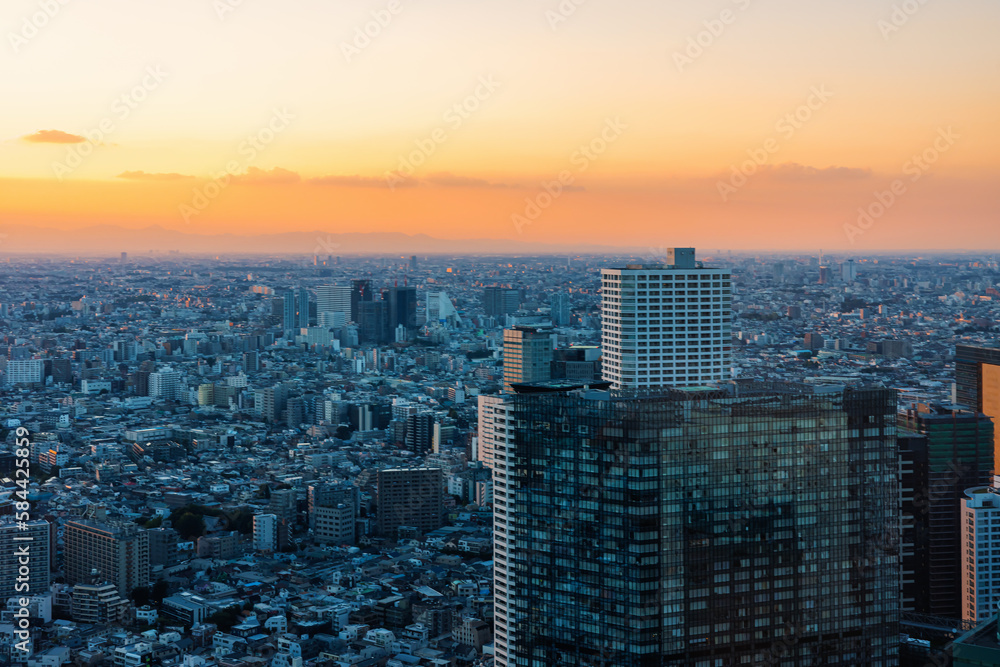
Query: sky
[{"x": 785, "y": 124}]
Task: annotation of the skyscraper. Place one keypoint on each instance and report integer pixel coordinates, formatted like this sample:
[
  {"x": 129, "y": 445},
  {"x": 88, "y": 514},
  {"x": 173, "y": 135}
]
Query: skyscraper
[
  {"x": 527, "y": 356},
  {"x": 666, "y": 325},
  {"x": 402, "y": 307},
  {"x": 97, "y": 552},
  {"x": 296, "y": 310},
  {"x": 958, "y": 456},
  {"x": 500, "y": 301},
  {"x": 333, "y": 299},
  {"x": 361, "y": 290},
  {"x": 560, "y": 309},
  {"x": 977, "y": 382},
  {"x": 710, "y": 527},
  {"x": 980, "y": 539}
]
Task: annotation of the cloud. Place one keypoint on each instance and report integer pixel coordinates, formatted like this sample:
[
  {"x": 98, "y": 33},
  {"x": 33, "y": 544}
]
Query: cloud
[
  {"x": 143, "y": 176},
  {"x": 793, "y": 171},
  {"x": 447, "y": 180},
  {"x": 53, "y": 137},
  {"x": 356, "y": 181},
  {"x": 276, "y": 176}
]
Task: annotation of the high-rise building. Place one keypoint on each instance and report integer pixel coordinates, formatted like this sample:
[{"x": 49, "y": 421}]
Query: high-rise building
[
  {"x": 373, "y": 322},
  {"x": 270, "y": 402},
  {"x": 977, "y": 382},
  {"x": 666, "y": 325},
  {"x": 527, "y": 356},
  {"x": 560, "y": 309},
  {"x": 699, "y": 527},
  {"x": 335, "y": 525},
  {"x": 411, "y": 497},
  {"x": 331, "y": 495},
  {"x": 402, "y": 307},
  {"x": 980, "y": 539},
  {"x": 440, "y": 310},
  {"x": 419, "y": 433},
  {"x": 163, "y": 546},
  {"x": 98, "y": 552},
  {"x": 361, "y": 290},
  {"x": 24, "y": 543},
  {"x": 25, "y": 371},
  {"x": 295, "y": 310},
  {"x": 333, "y": 299},
  {"x": 265, "y": 532},
  {"x": 500, "y": 301},
  {"x": 165, "y": 384},
  {"x": 959, "y": 456}
]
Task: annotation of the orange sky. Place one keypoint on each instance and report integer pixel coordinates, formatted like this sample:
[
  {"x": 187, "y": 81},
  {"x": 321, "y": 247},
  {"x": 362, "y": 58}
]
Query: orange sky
[{"x": 123, "y": 113}]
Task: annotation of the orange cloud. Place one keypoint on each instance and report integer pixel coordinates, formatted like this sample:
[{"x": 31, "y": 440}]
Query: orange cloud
[
  {"x": 53, "y": 137},
  {"x": 143, "y": 176},
  {"x": 257, "y": 176}
]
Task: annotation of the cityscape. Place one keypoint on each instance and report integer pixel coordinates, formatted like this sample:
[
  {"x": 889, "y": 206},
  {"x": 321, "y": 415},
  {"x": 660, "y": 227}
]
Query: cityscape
[
  {"x": 520, "y": 333},
  {"x": 481, "y": 460}
]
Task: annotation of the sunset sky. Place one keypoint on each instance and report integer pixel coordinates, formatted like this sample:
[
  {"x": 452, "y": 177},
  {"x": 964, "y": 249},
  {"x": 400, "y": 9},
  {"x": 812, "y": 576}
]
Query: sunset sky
[{"x": 122, "y": 112}]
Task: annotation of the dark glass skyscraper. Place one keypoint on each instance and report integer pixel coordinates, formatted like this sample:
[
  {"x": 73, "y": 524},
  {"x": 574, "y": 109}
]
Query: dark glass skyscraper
[
  {"x": 748, "y": 525},
  {"x": 977, "y": 382}
]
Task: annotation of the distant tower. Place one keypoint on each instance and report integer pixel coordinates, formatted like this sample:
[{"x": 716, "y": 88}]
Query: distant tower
[
  {"x": 413, "y": 262},
  {"x": 124, "y": 258}
]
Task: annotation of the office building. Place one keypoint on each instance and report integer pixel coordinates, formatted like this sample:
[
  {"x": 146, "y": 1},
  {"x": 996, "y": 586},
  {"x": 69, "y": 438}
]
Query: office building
[
  {"x": 527, "y": 356},
  {"x": 163, "y": 546},
  {"x": 402, "y": 307},
  {"x": 959, "y": 456},
  {"x": 496, "y": 421},
  {"x": 977, "y": 382},
  {"x": 666, "y": 325},
  {"x": 361, "y": 290},
  {"x": 410, "y": 497},
  {"x": 295, "y": 310},
  {"x": 25, "y": 543},
  {"x": 560, "y": 309},
  {"x": 500, "y": 301},
  {"x": 373, "y": 322},
  {"x": 331, "y": 495},
  {"x": 333, "y": 299},
  {"x": 419, "y": 433},
  {"x": 335, "y": 525},
  {"x": 98, "y": 552},
  {"x": 699, "y": 527},
  {"x": 440, "y": 310},
  {"x": 265, "y": 532}
]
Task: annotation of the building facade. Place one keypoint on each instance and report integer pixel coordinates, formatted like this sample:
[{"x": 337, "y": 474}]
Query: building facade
[
  {"x": 527, "y": 356},
  {"x": 666, "y": 325},
  {"x": 723, "y": 527},
  {"x": 98, "y": 552}
]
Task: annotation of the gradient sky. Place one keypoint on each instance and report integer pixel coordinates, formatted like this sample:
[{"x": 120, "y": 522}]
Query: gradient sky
[{"x": 560, "y": 79}]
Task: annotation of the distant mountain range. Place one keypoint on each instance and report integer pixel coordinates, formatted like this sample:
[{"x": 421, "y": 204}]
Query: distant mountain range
[{"x": 109, "y": 240}]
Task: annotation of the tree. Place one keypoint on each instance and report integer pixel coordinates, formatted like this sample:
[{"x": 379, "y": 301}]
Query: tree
[
  {"x": 226, "y": 618},
  {"x": 190, "y": 526},
  {"x": 155, "y": 522},
  {"x": 140, "y": 595},
  {"x": 160, "y": 590}
]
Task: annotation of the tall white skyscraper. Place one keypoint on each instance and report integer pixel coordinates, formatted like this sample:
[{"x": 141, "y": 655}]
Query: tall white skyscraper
[
  {"x": 666, "y": 324},
  {"x": 980, "y": 527}
]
